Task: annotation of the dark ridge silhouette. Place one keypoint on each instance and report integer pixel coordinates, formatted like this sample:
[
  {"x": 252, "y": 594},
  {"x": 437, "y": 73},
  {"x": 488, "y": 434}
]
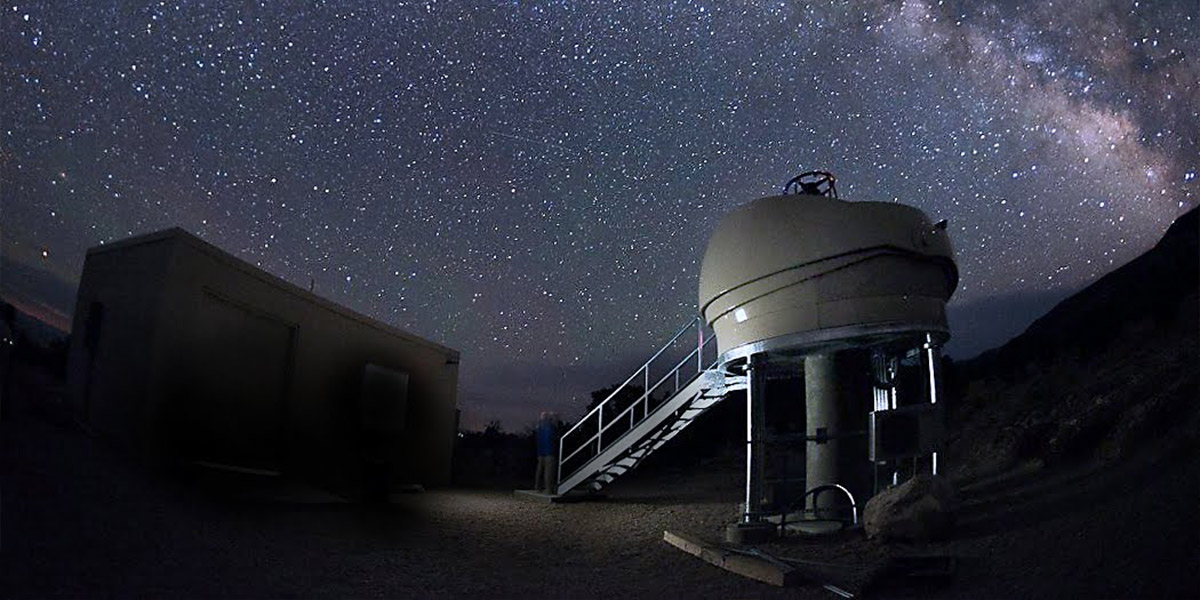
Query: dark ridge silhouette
[
  {"x": 990, "y": 322},
  {"x": 1103, "y": 375},
  {"x": 1149, "y": 287}
]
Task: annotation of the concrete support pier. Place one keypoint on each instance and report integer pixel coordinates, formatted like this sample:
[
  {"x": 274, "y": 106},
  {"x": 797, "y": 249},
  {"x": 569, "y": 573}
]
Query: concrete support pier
[
  {"x": 836, "y": 397},
  {"x": 823, "y": 422}
]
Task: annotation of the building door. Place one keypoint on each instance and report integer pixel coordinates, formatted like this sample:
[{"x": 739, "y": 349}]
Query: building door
[
  {"x": 237, "y": 414},
  {"x": 383, "y": 415}
]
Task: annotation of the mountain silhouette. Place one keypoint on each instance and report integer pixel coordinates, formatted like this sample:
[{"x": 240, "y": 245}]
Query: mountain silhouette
[
  {"x": 1104, "y": 372},
  {"x": 1150, "y": 287}
]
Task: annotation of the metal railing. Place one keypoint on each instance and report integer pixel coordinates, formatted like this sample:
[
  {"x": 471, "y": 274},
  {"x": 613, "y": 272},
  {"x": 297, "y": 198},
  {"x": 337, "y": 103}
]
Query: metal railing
[{"x": 599, "y": 429}]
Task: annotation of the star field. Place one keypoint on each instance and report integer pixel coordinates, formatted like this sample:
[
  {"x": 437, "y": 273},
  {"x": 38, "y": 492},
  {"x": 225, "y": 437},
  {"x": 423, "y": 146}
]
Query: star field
[{"x": 534, "y": 183}]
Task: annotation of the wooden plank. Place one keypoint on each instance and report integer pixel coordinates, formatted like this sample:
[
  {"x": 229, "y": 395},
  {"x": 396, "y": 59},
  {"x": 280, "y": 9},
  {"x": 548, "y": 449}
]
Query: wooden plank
[
  {"x": 745, "y": 565},
  {"x": 683, "y": 543}
]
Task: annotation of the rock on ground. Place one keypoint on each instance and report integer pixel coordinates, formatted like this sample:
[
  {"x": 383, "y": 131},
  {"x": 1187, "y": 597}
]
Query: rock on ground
[{"x": 919, "y": 509}]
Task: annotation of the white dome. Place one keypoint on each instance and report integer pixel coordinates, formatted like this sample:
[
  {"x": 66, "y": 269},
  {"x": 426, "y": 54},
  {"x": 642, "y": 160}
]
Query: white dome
[{"x": 800, "y": 271}]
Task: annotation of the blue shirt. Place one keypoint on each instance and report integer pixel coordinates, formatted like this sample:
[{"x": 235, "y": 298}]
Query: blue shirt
[{"x": 546, "y": 444}]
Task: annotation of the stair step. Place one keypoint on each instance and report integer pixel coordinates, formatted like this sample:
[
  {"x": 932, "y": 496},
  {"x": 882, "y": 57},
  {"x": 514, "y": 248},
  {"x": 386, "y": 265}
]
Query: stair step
[{"x": 662, "y": 423}]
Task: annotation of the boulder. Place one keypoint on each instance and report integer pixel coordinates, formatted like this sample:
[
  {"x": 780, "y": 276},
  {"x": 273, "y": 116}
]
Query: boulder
[{"x": 920, "y": 509}]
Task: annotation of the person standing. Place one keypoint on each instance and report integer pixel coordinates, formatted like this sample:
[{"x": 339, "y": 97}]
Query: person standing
[{"x": 547, "y": 442}]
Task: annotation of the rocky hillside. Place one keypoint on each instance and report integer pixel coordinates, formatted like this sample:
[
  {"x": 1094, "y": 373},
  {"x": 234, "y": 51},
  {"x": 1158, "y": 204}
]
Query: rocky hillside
[{"x": 1103, "y": 372}]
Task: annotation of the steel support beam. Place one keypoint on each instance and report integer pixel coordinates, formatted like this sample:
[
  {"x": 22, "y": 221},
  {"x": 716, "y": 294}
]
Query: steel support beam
[
  {"x": 933, "y": 370},
  {"x": 756, "y": 422}
]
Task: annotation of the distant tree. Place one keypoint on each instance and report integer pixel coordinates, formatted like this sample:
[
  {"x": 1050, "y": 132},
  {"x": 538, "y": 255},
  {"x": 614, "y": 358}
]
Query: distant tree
[{"x": 493, "y": 428}]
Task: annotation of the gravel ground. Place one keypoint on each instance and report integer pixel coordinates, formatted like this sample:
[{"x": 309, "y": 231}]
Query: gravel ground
[{"x": 79, "y": 522}]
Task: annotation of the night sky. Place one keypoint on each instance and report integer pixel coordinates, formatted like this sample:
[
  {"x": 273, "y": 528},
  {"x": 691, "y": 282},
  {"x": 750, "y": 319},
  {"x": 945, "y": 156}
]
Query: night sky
[{"x": 534, "y": 183}]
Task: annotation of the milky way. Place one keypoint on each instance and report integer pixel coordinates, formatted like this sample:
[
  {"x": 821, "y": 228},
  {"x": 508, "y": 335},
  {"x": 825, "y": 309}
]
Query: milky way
[{"x": 534, "y": 183}]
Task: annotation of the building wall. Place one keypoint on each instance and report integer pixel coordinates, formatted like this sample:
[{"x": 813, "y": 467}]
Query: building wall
[
  {"x": 113, "y": 341},
  {"x": 256, "y": 373}
]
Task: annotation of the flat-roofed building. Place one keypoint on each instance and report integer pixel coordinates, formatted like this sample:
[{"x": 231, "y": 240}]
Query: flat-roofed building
[{"x": 185, "y": 354}]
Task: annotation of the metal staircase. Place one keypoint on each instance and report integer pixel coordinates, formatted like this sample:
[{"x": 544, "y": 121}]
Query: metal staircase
[{"x": 630, "y": 424}]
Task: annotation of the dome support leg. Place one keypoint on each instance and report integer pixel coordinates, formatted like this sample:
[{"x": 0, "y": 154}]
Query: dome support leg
[
  {"x": 756, "y": 375},
  {"x": 823, "y": 417},
  {"x": 933, "y": 367},
  {"x": 838, "y": 395}
]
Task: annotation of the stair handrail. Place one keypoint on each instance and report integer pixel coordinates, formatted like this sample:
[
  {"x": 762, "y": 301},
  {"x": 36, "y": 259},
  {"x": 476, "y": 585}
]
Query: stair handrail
[
  {"x": 645, "y": 365},
  {"x": 644, "y": 399},
  {"x": 644, "y": 370}
]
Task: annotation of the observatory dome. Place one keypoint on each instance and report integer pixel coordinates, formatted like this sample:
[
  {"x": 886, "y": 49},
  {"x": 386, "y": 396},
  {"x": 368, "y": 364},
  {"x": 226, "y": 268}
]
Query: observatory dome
[{"x": 799, "y": 272}]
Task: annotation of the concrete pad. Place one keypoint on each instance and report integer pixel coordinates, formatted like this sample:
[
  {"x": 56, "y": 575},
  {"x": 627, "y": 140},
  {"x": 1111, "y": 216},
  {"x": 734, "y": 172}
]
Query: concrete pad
[
  {"x": 816, "y": 527},
  {"x": 570, "y": 497},
  {"x": 536, "y": 496},
  {"x": 750, "y": 533}
]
